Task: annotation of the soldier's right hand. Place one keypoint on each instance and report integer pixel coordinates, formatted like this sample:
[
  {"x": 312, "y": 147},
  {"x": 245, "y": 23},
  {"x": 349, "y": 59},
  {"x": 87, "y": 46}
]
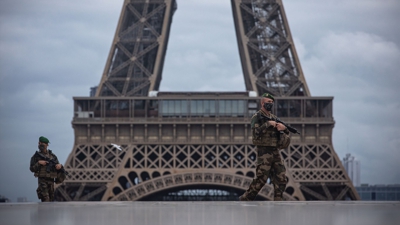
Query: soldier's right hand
[{"x": 43, "y": 162}]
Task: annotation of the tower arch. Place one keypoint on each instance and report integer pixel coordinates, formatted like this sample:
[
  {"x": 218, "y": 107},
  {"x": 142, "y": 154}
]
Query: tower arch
[{"x": 193, "y": 180}]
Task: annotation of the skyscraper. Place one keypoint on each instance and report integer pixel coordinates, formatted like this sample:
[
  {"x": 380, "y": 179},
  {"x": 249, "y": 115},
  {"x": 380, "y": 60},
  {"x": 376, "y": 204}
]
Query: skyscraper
[{"x": 352, "y": 167}]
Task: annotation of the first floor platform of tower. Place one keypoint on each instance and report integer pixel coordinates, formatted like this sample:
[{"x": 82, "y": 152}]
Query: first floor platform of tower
[{"x": 201, "y": 213}]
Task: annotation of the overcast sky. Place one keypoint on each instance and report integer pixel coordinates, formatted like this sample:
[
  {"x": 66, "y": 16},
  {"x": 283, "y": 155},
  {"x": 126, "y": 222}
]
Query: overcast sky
[{"x": 52, "y": 50}]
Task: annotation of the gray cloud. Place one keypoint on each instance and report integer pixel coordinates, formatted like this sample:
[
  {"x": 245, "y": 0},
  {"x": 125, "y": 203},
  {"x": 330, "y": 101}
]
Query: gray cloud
[
  {"x": 361, "y": 71},
  {"x": 51, "y": 51}
]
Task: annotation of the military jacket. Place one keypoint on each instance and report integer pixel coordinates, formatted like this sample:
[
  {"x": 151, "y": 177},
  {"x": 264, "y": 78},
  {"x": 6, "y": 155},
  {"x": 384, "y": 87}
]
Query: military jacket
[
  {"x": 263, "y": 133},
  {"x": 40, "y": 170}
]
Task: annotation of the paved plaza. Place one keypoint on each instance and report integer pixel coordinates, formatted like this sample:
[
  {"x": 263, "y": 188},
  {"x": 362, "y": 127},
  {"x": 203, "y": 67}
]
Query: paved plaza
[{"x": 201, "y": 213}]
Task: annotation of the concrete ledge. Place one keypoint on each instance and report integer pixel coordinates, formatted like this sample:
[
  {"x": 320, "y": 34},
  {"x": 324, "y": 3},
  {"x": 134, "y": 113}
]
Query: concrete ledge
[{"x": 204, "y": 213}]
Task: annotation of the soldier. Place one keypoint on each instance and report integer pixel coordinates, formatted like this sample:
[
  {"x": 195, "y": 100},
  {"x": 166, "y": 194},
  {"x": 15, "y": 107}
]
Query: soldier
[
  {"x": 44, "y": 173},
  {"x": 268, "y": 136}
]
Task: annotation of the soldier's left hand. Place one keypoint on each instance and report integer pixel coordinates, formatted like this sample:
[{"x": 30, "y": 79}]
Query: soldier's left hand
[
  {"x": 280, "y": 126},
  {"x": 58, "y": 166}
]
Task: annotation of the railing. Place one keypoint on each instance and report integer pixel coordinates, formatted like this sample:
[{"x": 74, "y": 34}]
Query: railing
[
  {"x": 288, "y": 120},
  {"x": 196, "y": 108}
]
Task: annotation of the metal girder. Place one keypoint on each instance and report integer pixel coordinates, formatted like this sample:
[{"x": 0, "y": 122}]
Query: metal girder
[
  {"x": 263, "y": 85},
  {"x": 79, "y": 192},
  {"x": 293, "y": 88},
  {"x": 120, "y": 67},
  {"x": 112, "y": 88},
  {"x": 64, "y": 194},
  {"x": 144, "y": 69},
  {"x": 327, "y": 192},
  {"x": 313, "y": 193},
  {"x": 268, "y": 65},
  {"x": 342, "y": 193},
  {"x": 136, "y": 89},
  {"x": 93, "y": 193},
  {"x": 122, "y": 48}
]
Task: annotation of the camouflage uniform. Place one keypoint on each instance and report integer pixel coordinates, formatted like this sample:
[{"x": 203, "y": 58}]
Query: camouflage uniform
[
  {"x": 269, "y": 162},
  {"x": 45, "y": 190}
]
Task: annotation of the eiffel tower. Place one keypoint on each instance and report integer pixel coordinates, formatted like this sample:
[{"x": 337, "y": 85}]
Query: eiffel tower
[{"x": 135, "y": 143}]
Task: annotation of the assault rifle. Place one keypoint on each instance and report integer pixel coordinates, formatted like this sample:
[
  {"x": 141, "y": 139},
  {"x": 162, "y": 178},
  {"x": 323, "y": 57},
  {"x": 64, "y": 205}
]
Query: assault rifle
[
  {"x": 291, "y": 129},
  {"x": 51, "y": 163}
]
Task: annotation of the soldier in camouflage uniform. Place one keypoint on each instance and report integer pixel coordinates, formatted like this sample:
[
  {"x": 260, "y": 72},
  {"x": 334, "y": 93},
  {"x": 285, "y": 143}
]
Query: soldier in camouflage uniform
[
  {"x": 268, "y": 136},
  {"x": 46, "y": 179}
]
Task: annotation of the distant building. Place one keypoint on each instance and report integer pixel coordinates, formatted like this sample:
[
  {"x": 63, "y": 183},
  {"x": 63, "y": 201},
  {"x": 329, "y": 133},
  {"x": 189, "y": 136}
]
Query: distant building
[
  {"x": 93, "y": 91},
  {"x": 379, "y": 192},
  {"x": 4, "y": 199},
  {"x": 22, "y": 199},
  {"x": 352, "y": 167}
]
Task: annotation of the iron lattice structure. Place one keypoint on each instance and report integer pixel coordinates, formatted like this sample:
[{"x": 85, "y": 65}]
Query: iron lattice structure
[
  {"x": 269, "y": 59},
  {"x": 137, "y": 54},
  {"x": 133, "y": 145}
]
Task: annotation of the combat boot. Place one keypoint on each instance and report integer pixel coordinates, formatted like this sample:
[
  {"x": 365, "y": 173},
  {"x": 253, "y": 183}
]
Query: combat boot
[{"x": 45, "y": 199}]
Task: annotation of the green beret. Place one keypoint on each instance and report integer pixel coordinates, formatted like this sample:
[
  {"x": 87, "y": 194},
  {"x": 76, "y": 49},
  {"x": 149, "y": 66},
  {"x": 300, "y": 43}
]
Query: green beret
[
  {"x": 267, "y": 95},
  {"x": 44, "y": 140}
]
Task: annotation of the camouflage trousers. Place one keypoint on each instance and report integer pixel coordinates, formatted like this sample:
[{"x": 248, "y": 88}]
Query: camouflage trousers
[
  {"x": 45, "y": 190},
  {"x": 269, "y": 164}
]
